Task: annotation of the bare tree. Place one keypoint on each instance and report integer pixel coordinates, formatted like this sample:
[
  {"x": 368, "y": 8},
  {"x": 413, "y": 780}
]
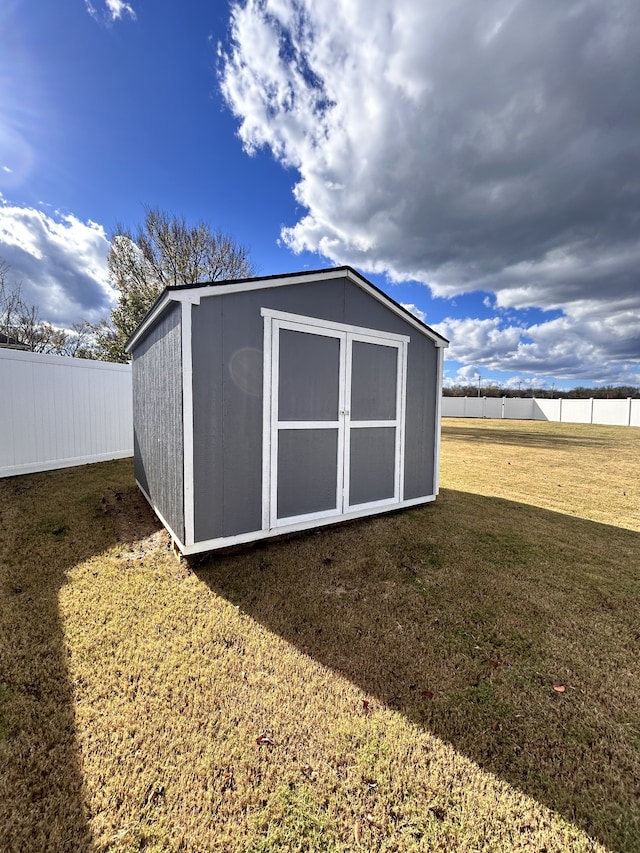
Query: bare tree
[
  {"x": 11, "y": 306},
  {"x": 22, "y": 328},
  {"x": 164, "y": 251}
]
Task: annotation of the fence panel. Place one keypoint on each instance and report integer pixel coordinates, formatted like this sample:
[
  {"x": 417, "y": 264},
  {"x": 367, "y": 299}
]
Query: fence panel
[
  {"x": 614, "y": 412},
  {"x": 57, "y": 411},
  {"x": 547, "y": 410},
  {"x": 473, "y": 407},
  {"x": 493, "y": 407},
  {"x": 453, "y": 407},
  {"x": 519, "y": 408},
  {"x": 577, "y": 411},
  {"x": 611, "y": 411}
]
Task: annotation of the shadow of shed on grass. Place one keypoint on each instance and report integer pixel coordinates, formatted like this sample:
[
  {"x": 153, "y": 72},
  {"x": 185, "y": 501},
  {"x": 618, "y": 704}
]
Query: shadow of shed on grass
[
  {"x": 462, "y": 616},
  {"x": 43, "y": 534}
]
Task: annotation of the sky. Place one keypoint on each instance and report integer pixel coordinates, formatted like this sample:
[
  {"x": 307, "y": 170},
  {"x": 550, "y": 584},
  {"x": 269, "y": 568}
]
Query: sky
[{"x": 479, "y": 162}]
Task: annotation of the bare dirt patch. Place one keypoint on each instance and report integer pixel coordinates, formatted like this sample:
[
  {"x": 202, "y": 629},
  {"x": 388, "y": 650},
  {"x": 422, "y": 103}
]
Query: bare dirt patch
[{"x": 135, "y": 525}]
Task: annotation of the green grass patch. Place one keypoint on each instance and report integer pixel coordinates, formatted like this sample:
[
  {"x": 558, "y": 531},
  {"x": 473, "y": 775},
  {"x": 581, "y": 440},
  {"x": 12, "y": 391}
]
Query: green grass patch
[{"x": 293, "y": 819}]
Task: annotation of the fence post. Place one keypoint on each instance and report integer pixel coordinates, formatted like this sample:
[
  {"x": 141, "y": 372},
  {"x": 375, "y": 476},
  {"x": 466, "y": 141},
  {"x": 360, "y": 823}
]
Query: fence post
[
  {"x": 560, "y": 411},
  {"x": 629, "y": 411},
  {"x": 591, "y": 418}
]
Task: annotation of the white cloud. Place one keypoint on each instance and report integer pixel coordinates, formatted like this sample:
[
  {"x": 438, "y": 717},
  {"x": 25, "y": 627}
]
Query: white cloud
[
  {"x": 588, "y": 351},
  {"x": 60, "y": 261},
  {"x": 114, "y": 10},
  {"x": 469, "y": 373},
  {"x": 473, "y": 147},
  {"x": 118, "y": 8},
  {"x": 521, "y": 382},
  {"x": 413, "y": 309}
]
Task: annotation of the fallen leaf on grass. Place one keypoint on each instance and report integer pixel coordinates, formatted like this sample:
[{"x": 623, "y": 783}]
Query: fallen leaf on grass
[
  {"x": 155, "y": 793},
  {"x": 357, "y": 831},
  {"x": 559, "y": 688},
  {"x": 264, "y": 740},
  {"x": 427, "y": 694}
]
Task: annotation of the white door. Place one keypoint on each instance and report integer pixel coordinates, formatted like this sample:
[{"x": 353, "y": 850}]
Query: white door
[{"x": 334, "y": 419}]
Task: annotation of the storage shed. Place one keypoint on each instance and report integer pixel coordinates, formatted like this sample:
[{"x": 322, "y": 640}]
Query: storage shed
[{"x": 281, "y": 403}]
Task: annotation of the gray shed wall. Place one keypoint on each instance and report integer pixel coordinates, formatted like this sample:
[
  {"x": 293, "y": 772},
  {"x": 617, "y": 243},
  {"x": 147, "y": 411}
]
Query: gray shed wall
[
  {"x": 157, "y": 418},
  {"x": 227, "y": 342}
]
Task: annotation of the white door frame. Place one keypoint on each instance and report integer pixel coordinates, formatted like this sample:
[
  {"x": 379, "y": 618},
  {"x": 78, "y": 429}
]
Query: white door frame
[{"x": 274, "y": 321}]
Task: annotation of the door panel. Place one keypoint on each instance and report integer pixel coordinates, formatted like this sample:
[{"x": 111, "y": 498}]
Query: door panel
[
  {"x": 372, "y": 465},
  {"x": 308, "y": 386},
  {"x": 307, "y": 471},
  {"x": 374, "y": 371}
]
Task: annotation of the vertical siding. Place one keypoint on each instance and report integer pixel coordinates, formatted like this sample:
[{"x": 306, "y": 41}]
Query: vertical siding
[
  {"x": 208, "y": 447},
  {"x": 157, "y": 418},
  {"x": 59, "y": 411}
]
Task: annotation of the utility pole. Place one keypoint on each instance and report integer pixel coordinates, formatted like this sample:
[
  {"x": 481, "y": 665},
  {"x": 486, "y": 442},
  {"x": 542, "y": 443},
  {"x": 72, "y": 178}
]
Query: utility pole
[{"x": 479, "y": 380}]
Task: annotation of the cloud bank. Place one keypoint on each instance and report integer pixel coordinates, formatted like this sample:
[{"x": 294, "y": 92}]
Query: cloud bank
[
  {"x": 60, "y": 262},
  {"x": 472, "y": 147}
]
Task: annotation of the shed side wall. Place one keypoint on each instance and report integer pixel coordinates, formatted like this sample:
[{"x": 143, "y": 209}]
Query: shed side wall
[
  {"x": 228, "y": 333},
  {"x": 157, "y": 418}
]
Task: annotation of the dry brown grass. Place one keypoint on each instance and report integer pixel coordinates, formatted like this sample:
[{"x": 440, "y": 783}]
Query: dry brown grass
[
  {"x": 390, "y": 679},
  {"x": 583, "y": 470}
]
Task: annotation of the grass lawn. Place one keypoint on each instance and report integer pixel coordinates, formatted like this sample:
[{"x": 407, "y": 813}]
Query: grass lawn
[{"x": 460, "y": 676}]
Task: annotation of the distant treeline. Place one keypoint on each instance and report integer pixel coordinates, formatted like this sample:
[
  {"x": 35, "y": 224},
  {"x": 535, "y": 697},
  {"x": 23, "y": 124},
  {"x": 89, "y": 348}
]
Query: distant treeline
[{"x": 607, "y": 392}]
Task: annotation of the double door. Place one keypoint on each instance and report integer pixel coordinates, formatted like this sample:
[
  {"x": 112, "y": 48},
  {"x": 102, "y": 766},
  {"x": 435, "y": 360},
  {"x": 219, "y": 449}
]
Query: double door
[{"x": 334, "y": 422}]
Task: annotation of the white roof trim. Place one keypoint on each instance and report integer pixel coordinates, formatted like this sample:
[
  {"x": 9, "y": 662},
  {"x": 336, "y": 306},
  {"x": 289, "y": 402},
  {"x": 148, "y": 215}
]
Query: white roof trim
[{"x": 184, "y": 296}]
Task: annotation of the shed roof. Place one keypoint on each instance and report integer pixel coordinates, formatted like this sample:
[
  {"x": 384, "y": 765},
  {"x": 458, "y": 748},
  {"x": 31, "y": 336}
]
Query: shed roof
[{"x": 193, "y": 292}]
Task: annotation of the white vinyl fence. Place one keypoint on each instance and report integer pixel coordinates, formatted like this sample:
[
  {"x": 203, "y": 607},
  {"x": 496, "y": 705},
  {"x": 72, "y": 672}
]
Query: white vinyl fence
[
  {"x": 614, "y": 412},
  {"x": 57, "y": 411}
]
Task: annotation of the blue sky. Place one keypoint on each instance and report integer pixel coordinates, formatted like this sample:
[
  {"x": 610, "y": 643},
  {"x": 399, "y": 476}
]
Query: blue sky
[{"x": 479, "y": 162}]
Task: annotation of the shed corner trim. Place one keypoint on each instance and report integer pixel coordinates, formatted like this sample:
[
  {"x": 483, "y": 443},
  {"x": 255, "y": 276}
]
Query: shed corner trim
[{"x": 184, "y": 297}]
